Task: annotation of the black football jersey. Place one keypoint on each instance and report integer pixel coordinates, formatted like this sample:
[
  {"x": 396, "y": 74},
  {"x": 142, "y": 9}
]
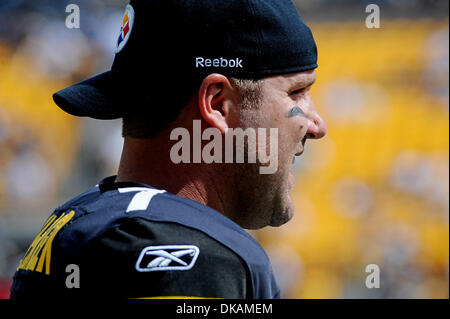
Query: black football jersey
[{"x": 129, "y": 240}]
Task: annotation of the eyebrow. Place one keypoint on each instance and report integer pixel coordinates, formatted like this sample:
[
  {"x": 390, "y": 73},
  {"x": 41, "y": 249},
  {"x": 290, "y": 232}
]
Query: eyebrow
[{"x": 304, "y": 84}]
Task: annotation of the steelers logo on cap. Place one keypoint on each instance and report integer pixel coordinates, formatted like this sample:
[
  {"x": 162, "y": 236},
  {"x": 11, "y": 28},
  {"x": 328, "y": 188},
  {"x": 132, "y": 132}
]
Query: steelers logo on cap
[{"x": 125, "y": 29}]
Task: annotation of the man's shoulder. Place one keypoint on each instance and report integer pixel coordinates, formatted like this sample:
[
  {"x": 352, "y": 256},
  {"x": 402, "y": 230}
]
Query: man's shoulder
[
  {"x": 109, "y": 205},
  {"x": 143, "y": 230},
  {"x": 127, "y": 251},
  {"x": 157, "y": 258}
]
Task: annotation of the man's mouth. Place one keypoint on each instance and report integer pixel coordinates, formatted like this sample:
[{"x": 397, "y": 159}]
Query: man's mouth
[
  {"x": 300, "y": 148},
  {"x": 299, "y": 152},
  {"x": 291, "y": 182}
]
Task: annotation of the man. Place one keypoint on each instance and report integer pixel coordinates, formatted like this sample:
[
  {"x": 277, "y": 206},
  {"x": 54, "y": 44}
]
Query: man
[{"x": 162, "y": 228}]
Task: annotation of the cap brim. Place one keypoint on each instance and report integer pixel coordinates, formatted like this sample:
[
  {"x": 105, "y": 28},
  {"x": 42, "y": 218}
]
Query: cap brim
[{"x": 104, "y": 97}]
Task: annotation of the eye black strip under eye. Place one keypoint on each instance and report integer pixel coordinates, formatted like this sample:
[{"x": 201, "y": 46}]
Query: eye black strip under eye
[{"x": 296, "y": 111}]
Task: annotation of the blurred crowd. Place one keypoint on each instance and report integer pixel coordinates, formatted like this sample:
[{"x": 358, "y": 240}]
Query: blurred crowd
[{"x": 374, "y": 191}]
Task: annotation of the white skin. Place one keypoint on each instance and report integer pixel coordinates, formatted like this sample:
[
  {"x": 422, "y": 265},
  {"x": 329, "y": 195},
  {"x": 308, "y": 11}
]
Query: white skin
[{"x": 238, "y": 191}]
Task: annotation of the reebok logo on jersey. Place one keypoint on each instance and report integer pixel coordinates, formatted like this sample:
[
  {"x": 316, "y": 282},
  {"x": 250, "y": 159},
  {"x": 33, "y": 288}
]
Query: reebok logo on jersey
[
  {"x": 161, "y": 258},
  {"x": 201, "y": 62}
]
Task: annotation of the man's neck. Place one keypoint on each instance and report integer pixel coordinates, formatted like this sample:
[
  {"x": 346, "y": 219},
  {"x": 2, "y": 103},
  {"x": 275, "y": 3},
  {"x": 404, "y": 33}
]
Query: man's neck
[{"x": 148, "y": 161}]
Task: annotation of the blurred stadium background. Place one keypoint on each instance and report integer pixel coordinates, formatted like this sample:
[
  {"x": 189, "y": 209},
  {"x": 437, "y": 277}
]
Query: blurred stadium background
[{"x": 374, "y": 191}]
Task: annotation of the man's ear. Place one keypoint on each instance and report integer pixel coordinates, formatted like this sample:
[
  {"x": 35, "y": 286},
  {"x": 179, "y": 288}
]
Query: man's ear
[{"x": 216, "y": 97}]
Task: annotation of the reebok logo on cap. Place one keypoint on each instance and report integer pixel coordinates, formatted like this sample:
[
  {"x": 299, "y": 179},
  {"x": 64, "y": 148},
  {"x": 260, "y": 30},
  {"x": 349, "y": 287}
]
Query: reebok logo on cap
[
  {"x": 243, "y": 39},
  {"x": 201, "y": 62}
]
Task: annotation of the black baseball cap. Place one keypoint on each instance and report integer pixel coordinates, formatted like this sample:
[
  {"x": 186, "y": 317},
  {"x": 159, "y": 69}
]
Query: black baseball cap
[{"x": 165, "y": 46}]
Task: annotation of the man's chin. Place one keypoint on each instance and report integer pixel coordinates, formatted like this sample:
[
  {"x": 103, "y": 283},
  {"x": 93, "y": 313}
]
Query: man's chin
[{"x": 283, "y": 216}]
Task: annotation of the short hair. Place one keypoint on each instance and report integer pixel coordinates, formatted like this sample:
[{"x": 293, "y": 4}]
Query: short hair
[{"x": 146, "y": 125}]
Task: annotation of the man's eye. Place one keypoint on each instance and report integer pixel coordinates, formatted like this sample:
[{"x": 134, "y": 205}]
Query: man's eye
[{"x": 299, "y": 91}]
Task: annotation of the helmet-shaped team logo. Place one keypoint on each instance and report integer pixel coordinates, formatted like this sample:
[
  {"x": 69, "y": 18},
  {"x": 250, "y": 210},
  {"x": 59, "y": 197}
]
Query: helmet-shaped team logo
[{"x": 125, "y": 30}]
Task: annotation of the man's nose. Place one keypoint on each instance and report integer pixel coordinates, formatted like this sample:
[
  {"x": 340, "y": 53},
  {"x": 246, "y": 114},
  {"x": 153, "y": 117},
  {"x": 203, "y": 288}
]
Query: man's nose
[{"x": 317, "y": 128}]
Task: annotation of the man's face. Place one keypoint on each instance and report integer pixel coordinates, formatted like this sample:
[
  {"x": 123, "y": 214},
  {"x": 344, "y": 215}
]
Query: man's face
[{"x": 286, "y": 105}]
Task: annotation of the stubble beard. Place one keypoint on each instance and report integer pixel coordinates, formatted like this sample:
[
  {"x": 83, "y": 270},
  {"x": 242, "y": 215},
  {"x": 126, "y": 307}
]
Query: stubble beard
[{"x": 262, "y": 200}]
